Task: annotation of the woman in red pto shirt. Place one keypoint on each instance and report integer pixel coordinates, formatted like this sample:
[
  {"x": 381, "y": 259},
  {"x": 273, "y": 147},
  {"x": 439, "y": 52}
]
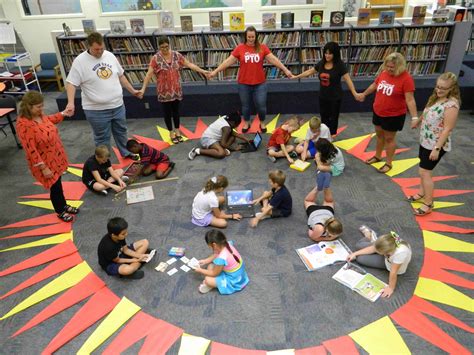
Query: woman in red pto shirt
[
  {"x": 395, "y": 87},
  {"x": 251, "y": 78}
]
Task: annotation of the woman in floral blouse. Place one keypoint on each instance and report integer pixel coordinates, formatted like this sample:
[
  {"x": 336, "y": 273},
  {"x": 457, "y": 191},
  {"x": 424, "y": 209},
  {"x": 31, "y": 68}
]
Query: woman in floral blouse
[{"x": 437, "y": 122}]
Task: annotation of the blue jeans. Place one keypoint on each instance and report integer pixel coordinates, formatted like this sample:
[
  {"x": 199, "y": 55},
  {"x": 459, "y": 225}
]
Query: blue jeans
[
  {"x": 105, "y": 122},
  {"x": 257, "y": 93},
  {"x": 323, "y": 180}
]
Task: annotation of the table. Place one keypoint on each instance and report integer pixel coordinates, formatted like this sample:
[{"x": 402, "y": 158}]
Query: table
[{"x": 7, "y": 111}]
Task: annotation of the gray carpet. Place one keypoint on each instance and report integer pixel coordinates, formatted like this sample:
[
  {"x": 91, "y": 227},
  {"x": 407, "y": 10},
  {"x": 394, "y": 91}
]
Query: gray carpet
[{"x": 284, "y": 306}]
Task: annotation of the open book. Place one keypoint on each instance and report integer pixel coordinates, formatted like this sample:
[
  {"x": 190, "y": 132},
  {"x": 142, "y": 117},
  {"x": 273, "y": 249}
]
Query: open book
[
  {"x": 360, "y": 281},
  {"x": 324, "y": 253},
  {"x": 300, "y": 165}
]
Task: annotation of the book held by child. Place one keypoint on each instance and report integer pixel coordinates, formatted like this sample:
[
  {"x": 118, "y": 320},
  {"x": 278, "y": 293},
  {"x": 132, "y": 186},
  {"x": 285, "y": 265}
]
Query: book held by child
[
  {"x": 324, "y": 253},
  {"x": 300, "y": 165}
]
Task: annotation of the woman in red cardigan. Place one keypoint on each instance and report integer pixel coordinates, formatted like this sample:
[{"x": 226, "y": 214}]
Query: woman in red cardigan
[{"x": 44, "y": 150}]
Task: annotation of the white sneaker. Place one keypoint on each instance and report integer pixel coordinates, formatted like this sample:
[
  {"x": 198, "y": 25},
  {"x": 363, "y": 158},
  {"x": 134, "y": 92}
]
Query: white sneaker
[
  {"x": 368, "y": 232},
  {"x": 125, "y": 179},
  {"x": 203, "y": 288},
  {"x": 192, "y": 154},
  {"x": 103, "y": 192},
  {"x": 272, "y": 159}
]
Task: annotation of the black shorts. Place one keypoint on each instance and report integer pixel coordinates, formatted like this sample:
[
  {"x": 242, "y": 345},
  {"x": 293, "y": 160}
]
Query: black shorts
[
  {"x": 90, "y": 183},
  {"x": 313, "y": 208},
  {"x": 425, "y": 162},
  {"x": 391, "y": 123}
]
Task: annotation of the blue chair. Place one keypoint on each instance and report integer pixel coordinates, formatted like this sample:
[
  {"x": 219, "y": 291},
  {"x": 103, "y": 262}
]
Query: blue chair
[{"x": 50, "y": 71}]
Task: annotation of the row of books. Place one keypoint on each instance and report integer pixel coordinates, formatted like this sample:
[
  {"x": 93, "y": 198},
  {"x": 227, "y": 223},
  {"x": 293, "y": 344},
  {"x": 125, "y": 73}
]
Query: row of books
[
  {"x": 430, "y": 34},
  {"x": 190, "y": 42},
  {"x": 137, "y": 77},
  {"x": 385, "y": 36},
  {"x": 134, "y": 61},
  {"x": 314, "y": 55},
  {"x": 287, "y": 55},
  {"x": 190, "y": 76},
  {"x": 438, "y": 51},
  {"x": 371, "y": 53},
  {"x": 323, "y": 37},
  {"x": 73, "y": 47},
  {"x": 280, "y": 39},
  {"x": 424, "y": 68},
  {"x": 130, "y": 44},
  {"x": 223, "y": 41}
]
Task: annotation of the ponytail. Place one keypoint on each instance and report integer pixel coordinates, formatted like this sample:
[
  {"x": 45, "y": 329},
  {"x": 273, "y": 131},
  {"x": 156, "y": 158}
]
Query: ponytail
[
  {"x": 216, "y": 182},
  {"x": 227, "y": 245},
  {"x": 216, "y": 236}
]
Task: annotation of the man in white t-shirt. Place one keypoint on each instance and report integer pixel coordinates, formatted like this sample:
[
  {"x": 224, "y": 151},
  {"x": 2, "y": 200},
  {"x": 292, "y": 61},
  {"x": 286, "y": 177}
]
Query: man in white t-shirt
[{"x": 101, "y": 78}]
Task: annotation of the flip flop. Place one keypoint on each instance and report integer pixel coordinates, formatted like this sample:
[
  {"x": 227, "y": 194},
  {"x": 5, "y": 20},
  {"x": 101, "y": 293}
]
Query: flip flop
[
  {"x": 180, "y": 139},
  {"x": 420, "y": 212},
  {"x": 373, "y": 160},
  {"x": 175, "y": 140},
  {"x": 413, "y": 198},
  {"x": 385, "y": 168}
]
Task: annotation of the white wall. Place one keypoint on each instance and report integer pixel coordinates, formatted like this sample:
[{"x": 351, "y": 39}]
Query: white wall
[{"x": 35, "y": 31}]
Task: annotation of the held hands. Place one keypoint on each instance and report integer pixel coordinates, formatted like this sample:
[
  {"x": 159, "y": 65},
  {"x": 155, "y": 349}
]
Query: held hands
[
  {"x": 359, "y": 97},
  {"x": 137, "y": 93},
  {"x": 289, "y": 74},
  {"x": 211, "y": 75},
  {"x": 69, "y": 110},
  {"x": 387, "y": 292},
  {"x": 140, "y": 94}
]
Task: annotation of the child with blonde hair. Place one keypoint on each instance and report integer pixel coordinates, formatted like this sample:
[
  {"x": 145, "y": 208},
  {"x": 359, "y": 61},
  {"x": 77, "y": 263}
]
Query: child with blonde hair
[
  {"x": 278, "y": 146},
  {"x": 206, "y": 211},
  {"x": 316, "y": 130}
]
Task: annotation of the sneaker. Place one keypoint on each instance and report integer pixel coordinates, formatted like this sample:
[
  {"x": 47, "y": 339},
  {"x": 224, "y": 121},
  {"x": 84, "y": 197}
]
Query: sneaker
[
  {"x": 272, "y": 159},
  {"x": 203, "y": 288},
  {"x": 192, "y": 154},
  {"x": 103, "y": 192},
  {"x": 125, "y": 179},
  {"x": 368, "y": 232},
  {"x": 293, "y": 155},
  {"x": 134, "y": 157},
  {"x": 227, "y": 152},
  {"x": 137, "y": 275}
]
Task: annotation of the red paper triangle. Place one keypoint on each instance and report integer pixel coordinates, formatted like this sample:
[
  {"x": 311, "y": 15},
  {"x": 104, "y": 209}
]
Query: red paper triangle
[
  {"x": 79, "y": 166},
  {"x": 154, "y": 143},
  {"x": 223, "y": 349},
  {"x": 315, "y": 350},
  {"x": 437, "y": 192},
  {"x": 436, "y": 263},
  {"x": 58, "y": 228},
  {"x": 200, "y": 128},
  {"x": 123, "y": 162},
  {"x": 73, "y": 190},
  {"x": 88, "y": 286},
  {"x": 339, "y": 131},
  {"x": 440, "y": 227},
  {"x": 410, "y": 316},
  {"x": 54, "y": 268},
  {"x": 51, "y": 218},
  {"x": 56, "y": 252},
  {"x": 343, "y": 345},
  {"x": 254, "y": 126},
  {"x": 99, "y": 305},
  {"x": 410, "y": 182},
  {"x": 439, "y": 216},
  {"x": 159, "y": 335},
  {"x": 359, "y": 150}
]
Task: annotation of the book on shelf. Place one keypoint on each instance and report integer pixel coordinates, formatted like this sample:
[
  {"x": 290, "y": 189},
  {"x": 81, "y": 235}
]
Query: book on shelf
[
  {"x": 287, "y": 20},
  {"x": 137, "y": 25},
  {"x": 337, "y": 18},
  {"x": 215, "y": 21},
  {"x": 269, "y": 20},
  {"x": 440, "y": 15},
  {"x": 186, "y": 23},
  {"x": 236, "y": 21},
  {"x": 316, "y": 18},
  {"x": 118, "y": 27},
  {"x": 360, "y": 281},
  {"x": 166, "y": 21},
  {"x": 457, "y": 13},
  {"x": 419, "y": 13},
  {"x": 88, "y": 26},
  {"x": 300, "y": 165},
  {"x": 387, "y": 17},
  {"x": 316, "y": 256},
  {"x": 363, "y": 17}
]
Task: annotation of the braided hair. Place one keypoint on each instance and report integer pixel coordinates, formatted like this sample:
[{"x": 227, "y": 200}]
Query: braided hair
[{"x": 216, "y": 236}]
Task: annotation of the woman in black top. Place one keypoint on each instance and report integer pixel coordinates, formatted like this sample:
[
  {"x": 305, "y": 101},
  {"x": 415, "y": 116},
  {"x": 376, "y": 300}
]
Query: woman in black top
[{"x": 330, "y": 71}]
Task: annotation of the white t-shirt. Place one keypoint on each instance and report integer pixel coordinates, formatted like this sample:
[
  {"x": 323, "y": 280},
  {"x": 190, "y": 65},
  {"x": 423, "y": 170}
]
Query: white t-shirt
[
  {"x": 98, "y": 79},
  {"x": 203, "y": 204},
  {"x": 324, "y": 133},
  {"x": 402, "y": 255},
  {"x": 214, "y": 131}
]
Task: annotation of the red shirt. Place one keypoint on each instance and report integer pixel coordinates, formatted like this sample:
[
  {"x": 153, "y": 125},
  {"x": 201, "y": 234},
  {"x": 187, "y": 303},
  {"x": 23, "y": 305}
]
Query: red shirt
[
  {"x": 168, "y": 80},
  {"x": 251, "y": 64},
  {"x": 278, "y": 137},
  {"x": 390, "y": 94}
]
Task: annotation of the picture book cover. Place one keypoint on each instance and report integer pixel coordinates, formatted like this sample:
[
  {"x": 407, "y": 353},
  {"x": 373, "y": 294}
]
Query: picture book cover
[
  {"x": 316, "y": 18},
  {"x": 287, "y": 20},
  {"x": 236, "y": 21},
  {"x": 337, "y": 18},
  {"x": 89, "y": 26},
  {"x": 269, "y": 20},
  {"x": 118, "y": 27},
  {"x": 419, "y": 13},
  {"x": 440, "y": 15},
  {"x": 459, "y": 15},
  {"x": 325, "y": 253},
  {"x": 387, "y": 17},
  {"x": 300, "y": 165},
  {"x": 186, "y": 23},
  {"x": 137, "y": 25},
  {"x": 176, "y": 251},
  {"x": 215, "y": 21},
  {"x": 363, "y": 18},
  {"x": 166, "y": 21}
]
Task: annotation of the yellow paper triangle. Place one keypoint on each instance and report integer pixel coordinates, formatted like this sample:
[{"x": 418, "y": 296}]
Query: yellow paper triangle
[
  {"x": 398, "y": 166},
  {"x": 122, "y": 312},
  {"x": 165, "y": 135},
  {"x": 440, "y": 242},
  {"x": 438, "y": 204},
  {"x": 271, "y": 126},
  {"x": 192, "y": 345},
  {"x": 75, "y": 171},
  {"x": 48, "y": 204},
  {"x": 55, "y": 239},
  {"x": 380, "y": 337},
  {"x": 60, "y": 283},
  {"x": 440, "y": 292},
  {"x": 282, "y": 352},
  {"x": 350, "y": 143},
  {"x": 301, "y": 132}
]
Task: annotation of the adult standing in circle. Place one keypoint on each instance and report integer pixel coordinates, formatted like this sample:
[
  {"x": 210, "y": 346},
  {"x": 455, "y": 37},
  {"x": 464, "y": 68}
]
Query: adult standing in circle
[
  {"x": 101, "y": 77},
  {"x": 394, "y": 88},
  {"x": 437, "y": 122},
  {"x": 44, "y": 150},
  {"x": 251, "y": 78},
  {"x": 165, "y": 65},
  {"x": 331, "y": 70}
]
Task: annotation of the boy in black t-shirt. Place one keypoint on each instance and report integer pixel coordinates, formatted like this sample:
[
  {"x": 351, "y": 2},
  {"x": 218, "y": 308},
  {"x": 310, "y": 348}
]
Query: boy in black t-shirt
[
  {"x": 275, "y": 203},
  {"x": 98, "y": 174},
  {"x": 116, "y": 257}
]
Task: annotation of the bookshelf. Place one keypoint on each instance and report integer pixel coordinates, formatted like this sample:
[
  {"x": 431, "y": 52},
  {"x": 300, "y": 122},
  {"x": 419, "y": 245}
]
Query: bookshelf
[{"x": 69, "y": 48}]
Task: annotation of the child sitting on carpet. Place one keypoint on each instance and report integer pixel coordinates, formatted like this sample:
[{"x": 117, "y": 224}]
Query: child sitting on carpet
[
  {"x": 278, "y": 146},
  {"x": 152, "y": 159},
  {"x": 388, "y": 252},
  {"x": 206, "y": 210},
  {"x": 316, "y": 130},
  {"x": 226, "y": 270}
]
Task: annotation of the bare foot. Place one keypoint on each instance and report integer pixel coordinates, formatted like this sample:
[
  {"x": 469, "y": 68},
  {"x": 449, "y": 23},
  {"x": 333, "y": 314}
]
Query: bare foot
[{"x": 253, "y": 222}]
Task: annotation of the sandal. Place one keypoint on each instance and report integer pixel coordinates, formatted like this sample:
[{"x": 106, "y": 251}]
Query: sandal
[
  {"x": 372, "y": 160},
  {"x": 66, "y": 217},
  {"x": 385, "y": 168},
  {"x": 421, "y": 212},
  {"x": 263, "y": 129},
  {"x": 180, "y": 138},
  {"x": 414, "y": 198},
  {"x": 175, "y": 140},
  {"x": 245, "y": 130},
  {"x": 71, "y": 210}
]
